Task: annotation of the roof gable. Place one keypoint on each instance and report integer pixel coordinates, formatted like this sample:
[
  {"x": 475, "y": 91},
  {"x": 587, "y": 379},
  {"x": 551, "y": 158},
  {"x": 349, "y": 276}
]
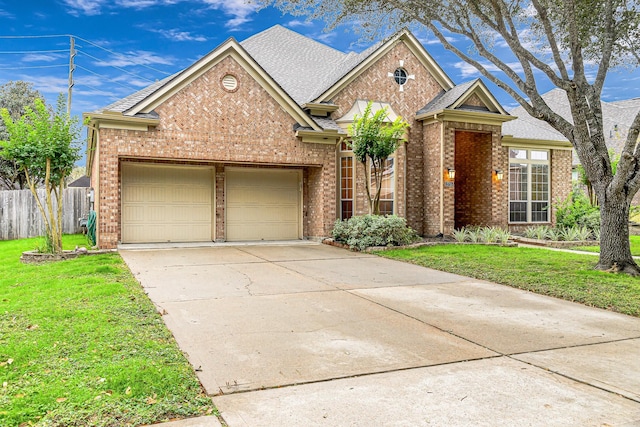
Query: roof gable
[
  {"x": 366, "y": 59},
  {"x": 464, "y": 97},
  {"x": 143, "y": 102}
]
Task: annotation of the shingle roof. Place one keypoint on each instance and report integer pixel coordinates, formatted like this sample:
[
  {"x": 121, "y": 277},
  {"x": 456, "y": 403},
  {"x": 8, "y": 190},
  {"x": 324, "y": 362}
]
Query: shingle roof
[
  {"x": 616, "y": 116},
  {"x": 124, "y": 104},
  {"x": 446, "y": 99},
  {"x": 303, "y": 67}
]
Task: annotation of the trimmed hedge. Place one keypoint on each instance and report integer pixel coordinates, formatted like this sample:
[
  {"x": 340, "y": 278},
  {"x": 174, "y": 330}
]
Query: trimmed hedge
[{"x": 361, "y": 232}]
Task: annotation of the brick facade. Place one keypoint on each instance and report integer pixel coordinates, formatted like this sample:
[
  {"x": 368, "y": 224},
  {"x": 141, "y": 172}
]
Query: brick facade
[{"x": 205, "y": 124}]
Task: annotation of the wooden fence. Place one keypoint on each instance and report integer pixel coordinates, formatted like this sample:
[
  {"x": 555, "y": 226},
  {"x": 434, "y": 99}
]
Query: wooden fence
[{"x": 20, "y": 216}]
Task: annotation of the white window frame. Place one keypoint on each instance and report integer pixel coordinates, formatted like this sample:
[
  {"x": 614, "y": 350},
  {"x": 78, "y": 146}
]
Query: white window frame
[
  {"x": 394, "y": 181},
  {"x": 346, "y": 153},
  {"x": 529, "y": 162}
]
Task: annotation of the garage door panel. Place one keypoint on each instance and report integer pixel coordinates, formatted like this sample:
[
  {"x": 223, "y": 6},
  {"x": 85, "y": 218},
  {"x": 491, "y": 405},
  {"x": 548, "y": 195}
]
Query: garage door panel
[
  {"x": 263, "y": 204},
  {"x": 166, "y": 204}
]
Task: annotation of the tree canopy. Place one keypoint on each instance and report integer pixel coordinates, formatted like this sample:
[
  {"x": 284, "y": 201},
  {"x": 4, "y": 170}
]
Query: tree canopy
[
  {"x": 373, "y": 140},
  {"x": 43, "y": 144},
  {"x": 14, "y": 96},
  {"x": 521, "y": 45}
]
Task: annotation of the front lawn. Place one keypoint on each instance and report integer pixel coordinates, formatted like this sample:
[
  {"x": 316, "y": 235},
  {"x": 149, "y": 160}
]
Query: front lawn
[
  {"x": 633, "y": 240},
  {"x": 559, "y": 274},
  {"x": 81, "y": 344}
]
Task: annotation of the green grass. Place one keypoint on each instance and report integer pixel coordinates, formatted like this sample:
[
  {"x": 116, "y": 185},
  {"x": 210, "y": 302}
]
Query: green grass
[
  {"x": 633, "y": 240},
  {"x": 559, "y": 274},
  {"x": 81, "y": 344}
]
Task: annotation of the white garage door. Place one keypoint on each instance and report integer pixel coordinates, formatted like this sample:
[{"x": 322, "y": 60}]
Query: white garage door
[
  {"x": 263, "y": 204},
  {"x": 166, "y": 203}
]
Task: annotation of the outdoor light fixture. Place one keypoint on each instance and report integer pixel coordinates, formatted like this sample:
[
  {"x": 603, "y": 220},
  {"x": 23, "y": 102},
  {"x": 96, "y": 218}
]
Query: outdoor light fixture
[
  {"x": 499, "y": 174},
  {"x": 451, "y": 173}
]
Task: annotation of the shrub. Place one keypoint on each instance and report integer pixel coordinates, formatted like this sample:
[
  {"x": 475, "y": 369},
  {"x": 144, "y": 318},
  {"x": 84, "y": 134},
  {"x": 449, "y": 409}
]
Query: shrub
[
  {"x": 540, "y": 232},
  {"x": 364, "y": 231},
  {"x": 488, "y": 234},
  {"x": 554, "y": 234},
  {"x": 460, "y": 235},
  {"x": 576, "y": 210},
  {"x": 503, "y": 235}
]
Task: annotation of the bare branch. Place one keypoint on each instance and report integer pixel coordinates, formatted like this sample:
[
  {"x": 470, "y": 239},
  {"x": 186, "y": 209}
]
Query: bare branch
[{"x": 553, "y": 44}]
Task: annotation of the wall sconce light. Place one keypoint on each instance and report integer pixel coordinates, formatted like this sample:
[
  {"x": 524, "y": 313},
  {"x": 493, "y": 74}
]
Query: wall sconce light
[
  {"x": 451, "y": 173},
  {"x": 499, "y": 174}
]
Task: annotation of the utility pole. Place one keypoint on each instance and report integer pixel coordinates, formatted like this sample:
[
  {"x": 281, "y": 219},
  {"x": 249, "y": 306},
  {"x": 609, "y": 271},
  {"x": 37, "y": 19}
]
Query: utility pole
[{"x": 72, "y": 67}]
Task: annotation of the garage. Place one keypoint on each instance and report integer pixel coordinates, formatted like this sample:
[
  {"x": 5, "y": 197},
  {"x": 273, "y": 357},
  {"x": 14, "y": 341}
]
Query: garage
[
  {"x": 166, "y": 203},
  {"x": 263, "y": 204}
]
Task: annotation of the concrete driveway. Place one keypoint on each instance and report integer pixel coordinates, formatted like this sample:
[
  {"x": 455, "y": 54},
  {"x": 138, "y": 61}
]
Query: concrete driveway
[{"x": 312, "y": 335}]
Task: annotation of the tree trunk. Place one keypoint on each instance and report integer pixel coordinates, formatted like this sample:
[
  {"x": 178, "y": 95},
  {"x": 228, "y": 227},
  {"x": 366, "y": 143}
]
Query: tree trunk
[{"x": 615, "y": 251}]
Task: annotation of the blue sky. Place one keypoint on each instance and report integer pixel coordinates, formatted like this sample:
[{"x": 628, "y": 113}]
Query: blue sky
[{"x": 124, "y": 45}]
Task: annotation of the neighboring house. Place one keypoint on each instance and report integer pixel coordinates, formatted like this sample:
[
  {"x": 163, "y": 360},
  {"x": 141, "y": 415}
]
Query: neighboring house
[
  {"x": 248, "y": 143},
  {"x": 83, "y": 181}
]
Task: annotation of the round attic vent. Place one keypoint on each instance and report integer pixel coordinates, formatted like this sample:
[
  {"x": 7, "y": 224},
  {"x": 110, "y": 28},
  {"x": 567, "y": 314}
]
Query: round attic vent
[{"x": 230, "y": 82}]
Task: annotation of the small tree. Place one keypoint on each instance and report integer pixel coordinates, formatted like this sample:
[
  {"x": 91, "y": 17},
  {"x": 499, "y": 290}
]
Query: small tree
[
  {"x": 14, "y": 96},
  {"x": 373, "y": 140},
  {"x": 42, "y": 144}
]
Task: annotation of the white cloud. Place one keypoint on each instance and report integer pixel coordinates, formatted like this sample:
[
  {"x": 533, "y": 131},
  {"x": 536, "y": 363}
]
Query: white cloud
[
  {"x": 468, "y": 70},
  {"x": 180, "y": 36},
  {"x": 84, "y": 7},
  {"x": 131, "y": 80},
  {"x": 40, "y": 57},
  {"x": 298, "y": 23},
  {"x": 139, "y": 57},
  {"x": 238, "y": 9},
  {"x": 48, "y": 84},
  {"x": 433, "y": 41},
  {"x": 141, "y": 4}
]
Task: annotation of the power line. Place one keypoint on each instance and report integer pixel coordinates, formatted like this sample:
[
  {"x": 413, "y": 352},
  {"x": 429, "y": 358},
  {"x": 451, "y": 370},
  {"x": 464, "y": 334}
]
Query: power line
[
  {"x": 117, "y": 68},
  {"x": 106, "y": 78},
  {"x": 45, "y": 36},
  {"x": 122, "y": 56},
  {"x": 20, "y": 52},
  {"x": 33, "y": 67}
]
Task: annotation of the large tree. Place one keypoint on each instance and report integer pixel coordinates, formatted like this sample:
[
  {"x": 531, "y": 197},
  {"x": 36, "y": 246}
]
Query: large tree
[
  {"x": 14, "y": 96},
  {"x": 573, "y": 44},
  {"x": 43, "y": 144}
]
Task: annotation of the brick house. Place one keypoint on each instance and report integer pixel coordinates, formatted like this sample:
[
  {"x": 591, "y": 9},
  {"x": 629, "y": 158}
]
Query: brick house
[{"x": 248, "y": 143}]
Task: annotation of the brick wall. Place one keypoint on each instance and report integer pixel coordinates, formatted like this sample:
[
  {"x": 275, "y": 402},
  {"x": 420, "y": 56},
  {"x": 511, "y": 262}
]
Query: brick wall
[
  {"x": 205, "y": 124},
  {"x": 375, "y": 84},
  {"x": 489, "y": 157},
  {"x": 473, "y": 179}
]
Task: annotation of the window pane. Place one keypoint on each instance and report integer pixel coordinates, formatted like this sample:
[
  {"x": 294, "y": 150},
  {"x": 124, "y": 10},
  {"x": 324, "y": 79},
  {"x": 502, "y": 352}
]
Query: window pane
[
  {"x": 386, "y": 207},
  {"x": 346, "y": 187},
  {"x": 517, "y": 154},
  {"x": 539, "y": 155},
  {"x": 539, "y": 182},
  {"x": 347, "y": 209},
  {"x": 518, "y": 181},
  {"x": 539, "y": 211},
  {"x": 518, "y": 211},
  {"x": 387, "y": 190}
]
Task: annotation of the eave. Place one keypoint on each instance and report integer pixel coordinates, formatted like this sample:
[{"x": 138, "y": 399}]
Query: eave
[
  {"x": 464, "y": 116},
  {"x": 511, "y": 141},
  {"x": 327, "y": 136},
  {"x": 319, "y": 108}
]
